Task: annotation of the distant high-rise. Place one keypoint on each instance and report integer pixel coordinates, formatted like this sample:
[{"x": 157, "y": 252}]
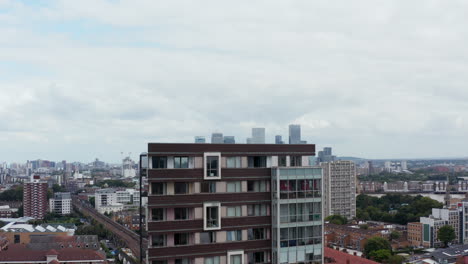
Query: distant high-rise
[
  {"x": 229, "y": 140},
  {"x": 258, "y": 135},
  {"x": 325, "y": 155},
  {"x": 294, "y": 134},
  {"x": 200, "y": 139},
  {"x": 249, "y": 140},
  {"x": 339, "y": 188},
  {"x": 279, "y": 139},
  {"x": 217, "y": 138},
  {"x": 35, "y": 198}
]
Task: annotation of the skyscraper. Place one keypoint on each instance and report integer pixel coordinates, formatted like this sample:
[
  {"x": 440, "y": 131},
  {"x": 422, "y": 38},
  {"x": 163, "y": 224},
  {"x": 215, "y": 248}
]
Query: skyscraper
[
  {"x": 339, "y": 188},
  {"x": 35, "y": 198},
  {"x": 229, "y": 140},
  {"x": 294, "y": 134},
  {"x": 200, "y": 139},
  {"x": 279, "y": 139},
  {"x": 325, "y": 155},
  {"x": 220, "y": 208},
  {"x": 258, "y": 135},
  {"x": 217, "y": 138}
]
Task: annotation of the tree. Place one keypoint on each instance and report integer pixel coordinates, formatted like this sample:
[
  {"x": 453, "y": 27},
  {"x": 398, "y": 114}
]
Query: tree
[
  {"x": 92, "y": 201},
  {"x": 57, "y": 188},
  {"x": 337, "y": 219},
  {"x": 364, "y": 226},
  {"x": 395, "y": 235},
  {"x": 446, "y": 234},
  {"x": 380, "y": 255},
  {"x": 376, "y": 243},
  {"x": 395, "y": 259},
  {"x": 2, "y": 224}
]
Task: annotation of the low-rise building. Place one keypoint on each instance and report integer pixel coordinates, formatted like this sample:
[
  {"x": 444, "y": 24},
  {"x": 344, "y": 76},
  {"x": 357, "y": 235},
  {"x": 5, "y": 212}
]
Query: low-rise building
[
  {"x": 61, "y": 203},
  {"x": 22, "y": 254},
  {"x": 22, "y": 233},
  {"x": 350, "y": 237}
]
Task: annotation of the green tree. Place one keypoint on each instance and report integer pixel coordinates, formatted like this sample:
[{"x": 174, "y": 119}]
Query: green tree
[
  {"x": 376, "y": 243},
  {"x": 446, "y": 234},
  {"x": 57, "y": 188},
  {"x": 15, "y": 194},
  {"x": 364, "y": 226},
  {"x": 92, "y": 201},
  {"x": 337, "y": 219},
  {"x": 380, "y": 255},
  {"x": 395, "y": 235},
  {"x": 2, "y": 224},
  {"x": 395, "y": 259}
]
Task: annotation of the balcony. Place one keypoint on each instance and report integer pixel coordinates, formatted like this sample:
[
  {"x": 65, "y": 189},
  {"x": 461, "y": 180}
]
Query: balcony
[{"x": 196, "y": 200}]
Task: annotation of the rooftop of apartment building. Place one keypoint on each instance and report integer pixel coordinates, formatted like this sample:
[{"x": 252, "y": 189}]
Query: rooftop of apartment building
[
  {"x": 352, "y": 229},
  {"x": 21, "y": 254}
]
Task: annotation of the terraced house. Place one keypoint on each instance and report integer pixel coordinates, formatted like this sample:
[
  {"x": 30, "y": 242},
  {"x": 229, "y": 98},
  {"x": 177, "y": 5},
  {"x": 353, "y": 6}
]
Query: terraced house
[{"x": 233, "y": 204}]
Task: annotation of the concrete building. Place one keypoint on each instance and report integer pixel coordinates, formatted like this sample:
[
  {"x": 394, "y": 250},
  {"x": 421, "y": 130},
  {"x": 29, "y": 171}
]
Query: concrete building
[
  {"x": 325, "y": 155},
  {"x": 61, "y": 203},
  {"x": 258, "y": 135},
  {"x": 217, "y": 138},
  {"x": 200, "y": 139},
  {"x": 294, "y": 134},
  {"x": 234, "y": 204},
  {"x": 106, "y": 201},
  {"x": 415, "y": 234},
  {"x": 35, "y": 198},
  {"x": 279, "y": 139},
  {"x": 127, "y": 197},
  {"x": 431, "y": 226},
  {"x": 339, "y": 188},
  {"x": 229, "y": 140}
]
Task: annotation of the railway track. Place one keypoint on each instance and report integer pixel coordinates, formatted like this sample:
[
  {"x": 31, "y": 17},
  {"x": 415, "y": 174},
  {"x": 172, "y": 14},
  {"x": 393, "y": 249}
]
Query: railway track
[{"x": 130, "y": 238}]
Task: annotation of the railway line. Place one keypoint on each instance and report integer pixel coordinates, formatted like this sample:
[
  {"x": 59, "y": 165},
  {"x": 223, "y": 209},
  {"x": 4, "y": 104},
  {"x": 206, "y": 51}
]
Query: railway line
[{"x": 130, "y": 238}]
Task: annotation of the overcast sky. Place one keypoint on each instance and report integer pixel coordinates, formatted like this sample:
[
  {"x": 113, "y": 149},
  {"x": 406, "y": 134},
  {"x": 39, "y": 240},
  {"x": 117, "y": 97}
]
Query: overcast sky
[{"x": 92, "y": 78}]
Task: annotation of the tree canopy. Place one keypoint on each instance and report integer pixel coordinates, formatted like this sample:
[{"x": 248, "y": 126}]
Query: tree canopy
[
  {"x": 337, "y": 219},
  {"x": 446, "y": 234},
  {"x": 376, "y": 243},
  {"x": 15, "y": 194},
  {"x": 380, "y": 255}
]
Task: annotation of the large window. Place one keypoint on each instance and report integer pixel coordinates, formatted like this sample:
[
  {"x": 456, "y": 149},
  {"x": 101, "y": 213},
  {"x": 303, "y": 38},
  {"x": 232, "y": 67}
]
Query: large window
[
  {"x": 233, "y": 162},
  {"x": 158, "y": 214},
  {"x": 181, "y": 213},
  {"x": 159, "y": 162},
  {"x": 257, "y": 161},
  {"x": 181, "y": 239},
  {"x": 235, "y": 186},
  {"x": 212, "y": 165},
  {"x": 158, "y": 240},
  {"x": 282, "y": 161},
  {"x": 182, "y": 261},
  {"x": 235, "y": 235},
  {"x": 208, "y": 187},
  {"x": 257, "y": 210},
  {"x": 207, "y": 237},
  {"x": 212, "y": 216},
  {"x": 256, "y": 233},
  {"x": 212, "y": 260},
  {"x": 300, "y": 212},
  {"x": 234, "y": 211},
  {"x": 159, "y": 262},
  {"x": 298, "y": 236},
  {"x": 256, "y": 186},
  {"x": 158, "y": 188},
  {"x": 181, "y": 162},
  {"x": 296, "y": 161},
  {"x": 235, "y": 259},
  {"x": 256, "y": 257},
  {"x": 294, "y": 189},
  {"x": 181, "y": 188}
]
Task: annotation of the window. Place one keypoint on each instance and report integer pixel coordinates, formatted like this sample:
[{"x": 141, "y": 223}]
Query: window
[
  {"x": 181, "y": 213},
  {"x": 181, "y": 188},
  {"x": 181, "y": 162},
  {"x": 182, "y": 261},
  {"x": 234, "y": 186},
  {"x": 256, "y": 233},
  {"x": 207, "y": 237},
  {"x": 159, "y": 262},
  {"x": 257, "y": 210},
  {"x": 256, "y": 257},
  {"x": 212, "y": 260},
  {"x": 208, "y": 187},
  {"x": 17, "y": 239},
  {"x": 181, "y": 239},
  {"x": 212, "y": 216},
  {"x": 212, "y": 163},
  {"x": 296, "y": 161},
  {"x": 257, "y": 161},
  {"x": 282, "y": 161},
  {"x": 295, "y": 236},
  {"x": 158, "y": 240},
  {"x": 158, "y": 188},
  {"x": 234, "y": 211},
  {"x": 235, "y": 235},
  {"x": 158, "y": 214},
  {"x": 233, "y": 162},
  {"x": 159, "y": 162},
  {"x": 256, "y": 186},
  {"x": 235, "y": 259}
]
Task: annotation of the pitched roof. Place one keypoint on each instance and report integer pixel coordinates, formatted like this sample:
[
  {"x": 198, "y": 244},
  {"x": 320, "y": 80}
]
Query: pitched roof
[
  {"x": 18, "y": 252},
  {"x": 342, "y": 257}
]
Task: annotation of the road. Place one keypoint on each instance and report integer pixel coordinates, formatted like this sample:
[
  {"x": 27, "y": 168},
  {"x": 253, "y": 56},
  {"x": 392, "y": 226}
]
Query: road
[{"x": 130, "y": 238}]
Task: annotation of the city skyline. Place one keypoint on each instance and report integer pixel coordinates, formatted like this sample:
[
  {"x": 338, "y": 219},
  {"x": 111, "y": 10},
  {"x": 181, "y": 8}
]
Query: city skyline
[{"x": 82, "y": 82}]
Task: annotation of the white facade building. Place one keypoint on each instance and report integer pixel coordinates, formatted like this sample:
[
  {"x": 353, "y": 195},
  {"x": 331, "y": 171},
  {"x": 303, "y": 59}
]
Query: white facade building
[
  {"x": 106, "y": 201},
  {"x": 61, "y": 203}
]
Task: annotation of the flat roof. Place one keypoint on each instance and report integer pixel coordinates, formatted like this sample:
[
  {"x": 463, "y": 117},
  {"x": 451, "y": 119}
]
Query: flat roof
[{"x": 199, "y": 148}]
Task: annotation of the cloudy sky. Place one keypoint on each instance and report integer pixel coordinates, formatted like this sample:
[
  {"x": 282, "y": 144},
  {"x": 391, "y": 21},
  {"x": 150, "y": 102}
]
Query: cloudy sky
[{"x": 94, "y": 78}]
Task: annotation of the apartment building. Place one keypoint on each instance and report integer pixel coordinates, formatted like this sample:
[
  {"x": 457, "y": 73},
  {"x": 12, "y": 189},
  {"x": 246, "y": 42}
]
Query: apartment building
[
  {"x": 339, "y": 183},
  {"x": 106, "y": 201},
  {"x": 415, "y": 234},
  {"x": 61, "y": 203},
  {"x": 233, "y": 204},
  {"x": 35, "y": 198}
]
